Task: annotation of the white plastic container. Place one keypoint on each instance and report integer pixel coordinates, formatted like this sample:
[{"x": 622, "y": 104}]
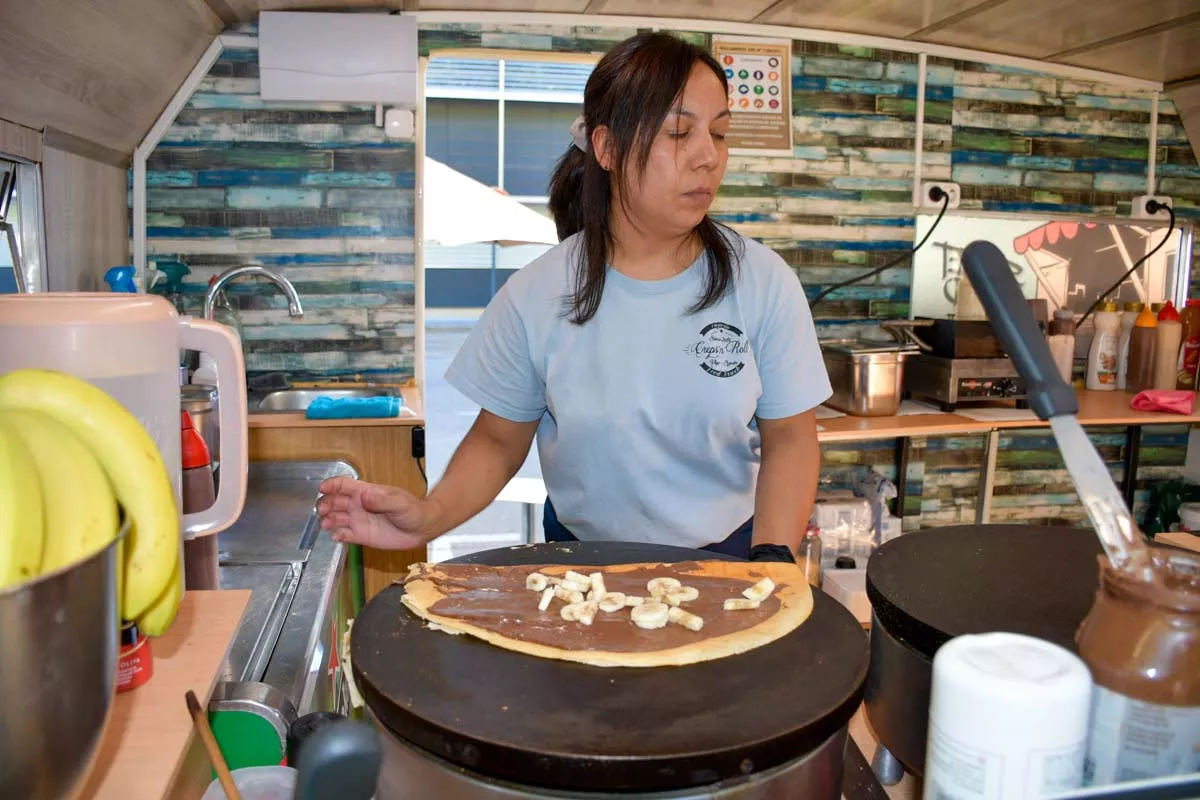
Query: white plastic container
[
  {"x": 1102, "y": 364},
  {"x": 1008, "y": 718},
  {"x": 257, "y": 783},
  {"x": 1128, "y": 316}
]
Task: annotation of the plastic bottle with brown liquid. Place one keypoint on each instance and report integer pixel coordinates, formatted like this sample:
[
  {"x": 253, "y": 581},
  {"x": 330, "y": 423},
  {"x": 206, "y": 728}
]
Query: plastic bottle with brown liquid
[
  {"x": 1166, "y": 347},
  {"x": 1141, "y": 352},
  {"x": 1189, "y": 349}
]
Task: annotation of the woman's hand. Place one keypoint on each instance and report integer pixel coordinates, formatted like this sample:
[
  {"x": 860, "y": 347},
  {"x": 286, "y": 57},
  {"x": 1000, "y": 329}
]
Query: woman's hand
[{"x": 384, "y": 517}]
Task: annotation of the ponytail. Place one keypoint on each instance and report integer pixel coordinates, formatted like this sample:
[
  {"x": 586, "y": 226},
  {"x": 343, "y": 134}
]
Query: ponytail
[{"x": 566, "y": 184}]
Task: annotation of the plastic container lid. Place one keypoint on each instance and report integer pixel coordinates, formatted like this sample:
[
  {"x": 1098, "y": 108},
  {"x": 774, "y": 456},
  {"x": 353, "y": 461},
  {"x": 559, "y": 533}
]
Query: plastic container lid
[
  {"x": 1168, "y": 313},
  {"x": 1107, "y": 305},
  {"x": 1134, "y": 306},
  {"x": 1189, "y": 513},
  {"x": 258, "y": 783}
]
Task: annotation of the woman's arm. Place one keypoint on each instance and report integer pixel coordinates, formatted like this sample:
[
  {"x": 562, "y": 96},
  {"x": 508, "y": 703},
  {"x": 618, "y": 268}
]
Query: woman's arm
[
  {"x": 486, "y": 459},
  {"x": 787, "y": 479}
]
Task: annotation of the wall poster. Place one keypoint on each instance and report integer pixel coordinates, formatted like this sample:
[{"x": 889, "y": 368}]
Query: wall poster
[{"x": 759, "y": 72}]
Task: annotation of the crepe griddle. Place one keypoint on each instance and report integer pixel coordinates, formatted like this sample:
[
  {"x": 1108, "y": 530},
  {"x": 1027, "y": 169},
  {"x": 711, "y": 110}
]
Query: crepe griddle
[
  {"x": 928, "y": 586},
  {"x": 567, "y": 726}
]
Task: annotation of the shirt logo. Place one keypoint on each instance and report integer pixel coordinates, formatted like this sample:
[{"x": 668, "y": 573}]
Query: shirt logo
[{"x": 721, "y": 349}]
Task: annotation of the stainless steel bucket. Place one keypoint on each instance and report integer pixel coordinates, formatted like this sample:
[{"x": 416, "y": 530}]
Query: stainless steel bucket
[
  {"x": 867, "y": 378},
  {"x": 58, "y": 670}
]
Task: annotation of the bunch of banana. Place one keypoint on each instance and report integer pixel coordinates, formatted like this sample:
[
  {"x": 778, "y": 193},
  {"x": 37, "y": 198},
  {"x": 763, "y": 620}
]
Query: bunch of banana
[{"x": 69, "y": 456}]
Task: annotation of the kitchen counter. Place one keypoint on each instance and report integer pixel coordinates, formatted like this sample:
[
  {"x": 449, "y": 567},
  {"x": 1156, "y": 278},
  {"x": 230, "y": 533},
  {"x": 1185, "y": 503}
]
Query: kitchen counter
[
  {"x": 275, "y": 551},
  {"x": 149, "y": 748}
]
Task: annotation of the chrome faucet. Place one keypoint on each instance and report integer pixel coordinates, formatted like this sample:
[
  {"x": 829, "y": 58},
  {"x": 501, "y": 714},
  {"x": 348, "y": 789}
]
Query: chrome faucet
[{"x": 232, "y": 274}]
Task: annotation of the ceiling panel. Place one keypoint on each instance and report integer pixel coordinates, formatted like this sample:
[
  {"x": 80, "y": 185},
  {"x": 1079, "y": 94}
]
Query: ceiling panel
[
  {"x": 1168, "y": 56},
  {"x": 1041, "y": 28},
  {"x": 897, "y": 18},
  {"x": 741, "y": 11}
]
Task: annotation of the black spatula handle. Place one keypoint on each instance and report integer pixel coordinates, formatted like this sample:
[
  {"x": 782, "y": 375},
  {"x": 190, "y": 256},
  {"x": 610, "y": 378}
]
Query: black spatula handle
[{"x": 1012, "y": 320}]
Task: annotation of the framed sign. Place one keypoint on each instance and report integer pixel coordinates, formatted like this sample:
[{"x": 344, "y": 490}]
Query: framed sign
[{"x": 759, "y": 72}]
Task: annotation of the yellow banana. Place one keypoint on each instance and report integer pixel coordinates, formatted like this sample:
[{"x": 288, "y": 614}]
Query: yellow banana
[
  {"x": 80, "y": 509},
  {"x": 22, "y": 526},
  {"x": 129, "y": 458},
  {"x": 162, "y": 611}
]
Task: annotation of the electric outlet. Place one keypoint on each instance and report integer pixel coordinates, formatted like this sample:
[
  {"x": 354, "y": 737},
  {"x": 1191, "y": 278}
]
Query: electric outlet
[
  {"x": 1138, "y": 210},
  {"x": 950, "y": 188}
]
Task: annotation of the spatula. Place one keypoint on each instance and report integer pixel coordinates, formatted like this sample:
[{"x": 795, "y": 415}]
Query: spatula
[{"x": 1053, "y": 400}]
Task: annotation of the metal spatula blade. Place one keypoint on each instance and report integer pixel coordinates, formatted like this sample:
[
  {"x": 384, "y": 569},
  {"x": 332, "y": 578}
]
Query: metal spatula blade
[{"x": 1053, "y": 400}]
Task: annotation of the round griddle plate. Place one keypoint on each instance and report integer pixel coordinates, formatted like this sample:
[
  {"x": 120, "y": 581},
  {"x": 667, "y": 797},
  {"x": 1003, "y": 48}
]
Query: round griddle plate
[
  {"x": 929, "y": 586},
  {"x": 561, "y": 725}
]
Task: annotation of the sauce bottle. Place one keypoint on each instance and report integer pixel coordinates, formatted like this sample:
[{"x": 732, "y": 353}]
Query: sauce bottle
[
  {"x": 1141, "y": 351},
  {"x": 1141, "y": 641},
  {"x": 200, "y": 555},
  {"x": 1189, "y": 350},
  {"x": 1128, "y": 316},
  {"x": 1102, "y": 357},
  {"x": 1062, "y": 342},
  {"x": 1166, "y": 347}
]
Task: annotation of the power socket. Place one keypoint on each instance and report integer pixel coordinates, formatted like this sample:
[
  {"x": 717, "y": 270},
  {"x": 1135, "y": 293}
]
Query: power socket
[
  {"x": 950, "y": 188},
  {"x": 1138, "y": 210}
]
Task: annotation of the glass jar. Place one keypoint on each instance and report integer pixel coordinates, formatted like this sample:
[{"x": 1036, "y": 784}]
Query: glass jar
[{"x": 1141, "y": 641}]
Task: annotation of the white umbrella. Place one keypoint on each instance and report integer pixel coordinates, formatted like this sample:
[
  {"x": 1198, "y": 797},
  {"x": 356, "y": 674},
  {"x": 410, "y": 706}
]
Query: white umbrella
[{"x": 461, "y": 210}]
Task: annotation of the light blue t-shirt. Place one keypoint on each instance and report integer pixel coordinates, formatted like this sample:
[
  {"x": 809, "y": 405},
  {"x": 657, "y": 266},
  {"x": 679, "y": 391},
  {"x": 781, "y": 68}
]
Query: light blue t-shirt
[{"x": 648, "y": 428}]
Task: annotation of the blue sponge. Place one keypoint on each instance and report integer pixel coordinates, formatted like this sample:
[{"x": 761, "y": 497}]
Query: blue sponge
[{"x": 354, "y": 407}]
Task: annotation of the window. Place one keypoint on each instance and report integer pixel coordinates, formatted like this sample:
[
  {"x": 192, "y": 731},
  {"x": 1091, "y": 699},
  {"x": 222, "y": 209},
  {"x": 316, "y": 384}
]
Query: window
[
  {"x": 503, "y": 122},
  {"x": 21, "y": 256}
]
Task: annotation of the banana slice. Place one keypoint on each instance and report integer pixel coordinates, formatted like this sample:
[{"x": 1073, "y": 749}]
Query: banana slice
[
  {"x": 650, "y": 615},
  {"x": 613, "y": 601},
  {"x": 553, "y": 580},
  {"x": 631, "y": 600},
  {"x": 578, "y": 577},
  {"x": 593, "y": 596},
  {"x": 598, "y": 584},
  {"x": 577, "y": 586},
  {"x": 685, "y": 618},
  {"x": 570, "y": 612},
  {"x": 760, "y": 591},
  {"x": 547, "y": 596},
  {"x": 586, "y": 613},
  {"x": 660, "y": 587},
  {"x": 536, "y": 581},
  {"x": 682, "y": 594},
  {"x": 740, "y": 604},
  {"x": 568, "y": 595}
]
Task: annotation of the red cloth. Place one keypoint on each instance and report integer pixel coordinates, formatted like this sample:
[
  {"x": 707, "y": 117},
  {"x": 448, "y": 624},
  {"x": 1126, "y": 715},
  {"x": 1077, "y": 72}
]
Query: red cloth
[{"x": 1170, "y": 400}]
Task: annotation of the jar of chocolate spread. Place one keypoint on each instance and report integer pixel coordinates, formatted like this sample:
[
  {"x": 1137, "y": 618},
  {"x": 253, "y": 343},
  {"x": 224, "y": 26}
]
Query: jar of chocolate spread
[{"x": 1141, "y": 641}]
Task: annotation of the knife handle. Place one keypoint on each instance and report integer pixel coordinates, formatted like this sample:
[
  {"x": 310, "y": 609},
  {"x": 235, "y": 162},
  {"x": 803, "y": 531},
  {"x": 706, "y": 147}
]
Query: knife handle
[{"x": 1012, "y": 320}]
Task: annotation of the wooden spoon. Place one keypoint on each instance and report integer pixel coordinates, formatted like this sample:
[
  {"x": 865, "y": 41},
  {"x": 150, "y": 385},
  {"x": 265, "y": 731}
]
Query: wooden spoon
[{"x": 210, "y": 744}]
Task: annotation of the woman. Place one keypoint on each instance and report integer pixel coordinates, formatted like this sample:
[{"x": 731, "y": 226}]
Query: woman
[{"x": 669, "y": 367}]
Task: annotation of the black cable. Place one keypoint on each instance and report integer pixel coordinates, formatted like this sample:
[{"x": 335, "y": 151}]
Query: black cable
[
  {"x": 933, "y": 193},
  {"x": 421, "y": 466},
  {"x": 1153, "y": 206}
]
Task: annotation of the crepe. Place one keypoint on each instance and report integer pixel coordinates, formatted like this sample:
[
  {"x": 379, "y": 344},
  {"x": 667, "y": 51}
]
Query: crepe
[{"x": 494, "y": 604}]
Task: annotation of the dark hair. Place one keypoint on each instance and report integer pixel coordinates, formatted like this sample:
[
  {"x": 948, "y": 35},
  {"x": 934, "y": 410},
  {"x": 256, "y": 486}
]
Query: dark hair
[{"x": 631, "y": 91}]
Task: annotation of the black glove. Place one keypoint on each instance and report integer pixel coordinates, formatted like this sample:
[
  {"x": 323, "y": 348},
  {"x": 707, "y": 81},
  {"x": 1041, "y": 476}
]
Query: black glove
[{"x": 771, "y": 552}]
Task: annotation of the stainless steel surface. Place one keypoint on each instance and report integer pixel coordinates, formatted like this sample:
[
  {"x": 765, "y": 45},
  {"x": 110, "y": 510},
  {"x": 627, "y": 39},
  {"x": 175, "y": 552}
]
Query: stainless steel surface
[
  {"x": 295, "y": 308},
  {"x": 983, "y": 502},
  {"x": 256, "y": 698},
  {"x": 867, "y": 379},
  {"x": 200, "y": 402},
  {"x": 272, "y": 589},
  {"x": 950, "y": 381},
  {"x": 58, "y": 670},
  {"x": 1118, "y": 532},
  {"x": 412, "y": 774},
  {"x": 290, "y": 400},
  {"x": 14, "y": 253},
  {"x": 886, "y": 767},
  {"x": 275, "y": 549}
]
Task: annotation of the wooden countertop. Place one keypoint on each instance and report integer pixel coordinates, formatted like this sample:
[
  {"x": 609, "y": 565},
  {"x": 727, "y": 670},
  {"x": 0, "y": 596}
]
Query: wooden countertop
[
  {"x": 1095, "y": 408},
  {"x": 412, "y": 402},
  {"x": 150, "y": 749}
]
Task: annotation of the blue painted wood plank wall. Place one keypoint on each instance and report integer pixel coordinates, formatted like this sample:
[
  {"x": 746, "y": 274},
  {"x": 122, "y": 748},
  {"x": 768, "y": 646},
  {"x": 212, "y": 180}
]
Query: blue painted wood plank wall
[{"x": 319, "y": 193}]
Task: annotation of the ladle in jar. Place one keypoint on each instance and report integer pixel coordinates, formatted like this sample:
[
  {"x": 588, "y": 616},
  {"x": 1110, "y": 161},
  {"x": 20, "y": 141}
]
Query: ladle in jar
[{"x": 1053, "y": 400}]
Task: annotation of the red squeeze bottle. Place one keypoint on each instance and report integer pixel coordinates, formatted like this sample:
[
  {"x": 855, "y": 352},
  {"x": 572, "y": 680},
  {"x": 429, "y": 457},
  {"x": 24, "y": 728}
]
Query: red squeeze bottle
[
  {"x": 1189, "y": 350},
  {"x": 200, "y": 555}
]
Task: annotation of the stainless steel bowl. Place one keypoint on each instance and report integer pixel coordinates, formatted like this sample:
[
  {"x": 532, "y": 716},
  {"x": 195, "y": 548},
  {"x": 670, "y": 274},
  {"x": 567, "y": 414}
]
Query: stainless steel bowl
[
  {"x": 867, "y": 377},
  {"x": 58, "y": 670}
]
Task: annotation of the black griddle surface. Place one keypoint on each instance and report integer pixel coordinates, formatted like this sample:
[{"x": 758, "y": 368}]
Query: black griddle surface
[
  {"x": 928, "y": 586},
  {"x": 561, "y": 725}
]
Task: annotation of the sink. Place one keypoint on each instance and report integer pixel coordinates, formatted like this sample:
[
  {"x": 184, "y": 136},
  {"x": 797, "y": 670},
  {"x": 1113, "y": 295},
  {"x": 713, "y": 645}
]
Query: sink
[{"x": 292, "y": 400}]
